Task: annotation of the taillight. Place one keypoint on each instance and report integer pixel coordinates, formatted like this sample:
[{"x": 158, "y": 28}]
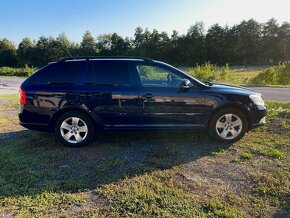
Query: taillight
[{"x": 22, "y": 96}]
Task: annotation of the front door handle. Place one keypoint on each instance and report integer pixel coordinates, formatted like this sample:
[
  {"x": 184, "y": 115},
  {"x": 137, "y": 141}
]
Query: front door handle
[{"x": 148, "y": 95}]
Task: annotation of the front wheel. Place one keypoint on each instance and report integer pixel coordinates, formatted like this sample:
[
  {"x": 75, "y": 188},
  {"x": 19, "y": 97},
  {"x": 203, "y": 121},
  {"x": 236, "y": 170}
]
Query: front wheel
[
  {"x": 228, "y": 125},
  {"x": 74, "y": 129}
]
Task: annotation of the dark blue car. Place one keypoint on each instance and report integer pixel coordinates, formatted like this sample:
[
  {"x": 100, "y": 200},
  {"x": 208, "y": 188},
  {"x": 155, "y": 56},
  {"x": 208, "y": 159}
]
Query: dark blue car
[{"x": 76, "y": 97}]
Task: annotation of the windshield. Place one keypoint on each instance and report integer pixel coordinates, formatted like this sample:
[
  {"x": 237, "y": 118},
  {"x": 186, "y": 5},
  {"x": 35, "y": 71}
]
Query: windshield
[{"x": 184, "y": 73}]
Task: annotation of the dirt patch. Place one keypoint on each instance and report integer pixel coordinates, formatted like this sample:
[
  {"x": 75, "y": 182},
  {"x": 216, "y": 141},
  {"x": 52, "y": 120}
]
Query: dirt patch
[{"x": 210, "y": 175}]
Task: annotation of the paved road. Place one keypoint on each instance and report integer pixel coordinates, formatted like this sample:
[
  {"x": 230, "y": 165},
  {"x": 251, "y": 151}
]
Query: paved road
[
  {"x": 10, "y": 85},
  {"x": 274, "y": 94}
]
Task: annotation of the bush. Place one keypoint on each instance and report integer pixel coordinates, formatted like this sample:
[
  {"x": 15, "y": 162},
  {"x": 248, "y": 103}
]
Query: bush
[
  {"x": 23, "y": 72},
  {"x": 279, "y": 75},
  {"x": 210, "y": 72}
]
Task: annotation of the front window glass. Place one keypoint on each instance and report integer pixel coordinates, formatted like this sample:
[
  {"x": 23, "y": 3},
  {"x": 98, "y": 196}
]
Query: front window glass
[{"x": 155, "y": 76}]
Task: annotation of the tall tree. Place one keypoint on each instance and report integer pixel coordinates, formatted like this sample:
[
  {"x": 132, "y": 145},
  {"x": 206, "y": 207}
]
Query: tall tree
[
  {"x": 284, "y": 42},
  {"x": 194, "y": 50},
  {"x": 270, "y": 41},
  {"x": 104, "y": 44},
  {"x": 64, "y": 45},
  {"x": 248, "y": 43},
  {"x": 173, "y": 48},
  {"x": 153, "y": 46},
  {"x": 26, "y": 52},
  {"x": 47, "y": 50},
  {"x": 215, "y": 44},
  {"x": 8, "y": 54},
  {"x": 88, "y": 44},
  {"x": 119, "y": 45},
  {"x": 139, "y": 38}
]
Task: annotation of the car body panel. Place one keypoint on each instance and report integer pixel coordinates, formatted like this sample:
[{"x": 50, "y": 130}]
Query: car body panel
[
  {"x": 172, "y": 107},
  {"x": 135, "y": 106}
]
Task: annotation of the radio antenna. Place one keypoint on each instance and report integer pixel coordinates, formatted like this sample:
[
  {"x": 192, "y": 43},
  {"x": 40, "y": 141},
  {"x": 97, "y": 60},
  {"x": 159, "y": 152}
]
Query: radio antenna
[{"x": 69, "y": 54}]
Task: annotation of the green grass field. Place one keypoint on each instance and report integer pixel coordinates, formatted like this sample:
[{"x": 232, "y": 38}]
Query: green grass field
[
  {"x": 145, "y": 174},
  {"x": 277, "y": 76},
  {"x": 243, "y": 78}
]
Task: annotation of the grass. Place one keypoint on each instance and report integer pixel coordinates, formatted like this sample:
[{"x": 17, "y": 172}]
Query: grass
[
  {"x": 11, "y": 97},
  {"x": 245, "y": 78},
  {"x": 7, "y": 118},
  {"x": 246, "y": 155},
  {"x": 278, "y": 75},
  {"x": 21, "y": 72},
  {"x": 242, "y": 78},
  {"x": 145, "y": 174}
]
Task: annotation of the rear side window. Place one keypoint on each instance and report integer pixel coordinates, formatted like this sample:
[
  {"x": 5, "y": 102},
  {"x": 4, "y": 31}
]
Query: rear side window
[
  {"x": 108, "y": 73},
  {"x": 60, "y": 73}
]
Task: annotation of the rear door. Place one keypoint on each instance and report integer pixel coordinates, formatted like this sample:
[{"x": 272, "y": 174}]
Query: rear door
[{"x": 110, "y": 93}]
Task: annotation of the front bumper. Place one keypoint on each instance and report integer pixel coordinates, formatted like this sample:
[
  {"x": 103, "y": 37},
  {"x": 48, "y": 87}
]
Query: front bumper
[
  {"x": 256, "y": 125},
  {"x": 258, "y": 117}
]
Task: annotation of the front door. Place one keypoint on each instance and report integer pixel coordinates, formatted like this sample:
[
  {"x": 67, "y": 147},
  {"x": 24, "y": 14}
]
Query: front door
[{"x": 163, "y": 104}]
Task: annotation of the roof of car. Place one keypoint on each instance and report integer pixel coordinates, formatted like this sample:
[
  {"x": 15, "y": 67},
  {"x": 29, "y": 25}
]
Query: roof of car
[{"x": 105, "y": 58}]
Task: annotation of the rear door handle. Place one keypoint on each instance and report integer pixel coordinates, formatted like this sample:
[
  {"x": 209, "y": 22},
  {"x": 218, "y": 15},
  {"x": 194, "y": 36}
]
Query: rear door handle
[{"x": 148, "y": 95}]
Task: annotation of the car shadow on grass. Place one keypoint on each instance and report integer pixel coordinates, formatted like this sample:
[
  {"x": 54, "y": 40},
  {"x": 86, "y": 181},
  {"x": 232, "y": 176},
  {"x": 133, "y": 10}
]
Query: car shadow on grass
[{"x": 34, "y": 162}]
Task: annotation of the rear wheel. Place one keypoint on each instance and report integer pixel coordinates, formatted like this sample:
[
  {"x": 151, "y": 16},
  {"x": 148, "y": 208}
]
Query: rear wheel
[
  {"x": 228, "y": 125},
  {"x": 74, "y": 129}
]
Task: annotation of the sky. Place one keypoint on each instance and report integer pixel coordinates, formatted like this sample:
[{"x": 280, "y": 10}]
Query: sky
[{"x": 35, "y": 18}]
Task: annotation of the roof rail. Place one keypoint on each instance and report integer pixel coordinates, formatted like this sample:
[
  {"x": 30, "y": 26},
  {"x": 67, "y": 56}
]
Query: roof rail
[{"x": 104, "y": 57}]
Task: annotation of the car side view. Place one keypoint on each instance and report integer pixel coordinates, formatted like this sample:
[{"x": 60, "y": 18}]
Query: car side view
[{"x": 76, "y": 97}]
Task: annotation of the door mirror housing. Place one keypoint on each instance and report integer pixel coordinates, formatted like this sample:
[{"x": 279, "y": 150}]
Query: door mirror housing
[{"x": 185, "y": 85}]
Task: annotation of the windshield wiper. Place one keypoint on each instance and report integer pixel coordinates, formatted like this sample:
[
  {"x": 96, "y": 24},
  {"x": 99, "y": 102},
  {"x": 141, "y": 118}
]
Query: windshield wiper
[
  {"x": 208, "y": 83},
  {"x": 99, "y": 84},
  {"x": 60, "y": 83}
]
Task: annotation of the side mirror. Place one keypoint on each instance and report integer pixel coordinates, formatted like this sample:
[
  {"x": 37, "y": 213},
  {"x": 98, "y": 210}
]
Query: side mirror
[{"x": 185, "y": 85}]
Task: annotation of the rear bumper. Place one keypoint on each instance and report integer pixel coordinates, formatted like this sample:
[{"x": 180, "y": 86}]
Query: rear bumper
[
  {"x": 36, "y": 126},
  {"x": 33, "y": 119}
]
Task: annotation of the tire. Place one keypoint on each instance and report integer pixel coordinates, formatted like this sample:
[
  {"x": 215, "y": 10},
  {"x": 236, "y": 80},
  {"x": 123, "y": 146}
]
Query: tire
[
  {"x": 228, "y": 125},
  {"x": 74, "y": 129}
]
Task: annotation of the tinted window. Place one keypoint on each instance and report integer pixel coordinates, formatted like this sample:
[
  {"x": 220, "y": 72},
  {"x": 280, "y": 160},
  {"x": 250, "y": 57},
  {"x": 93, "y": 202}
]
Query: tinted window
[
  {"x": 60, "y": 73},
  {"x": 155, "y": 76},
  {"x": 108, "y": 73}
]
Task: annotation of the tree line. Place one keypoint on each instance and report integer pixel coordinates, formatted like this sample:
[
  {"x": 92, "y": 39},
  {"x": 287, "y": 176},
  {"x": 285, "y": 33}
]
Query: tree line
[{"x": 246, "y": 43}]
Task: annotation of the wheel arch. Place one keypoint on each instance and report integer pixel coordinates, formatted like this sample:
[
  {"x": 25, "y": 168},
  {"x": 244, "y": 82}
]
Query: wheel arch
[
  {"x": 237, "y": 106},
  {"x": 95, "y": 119}
]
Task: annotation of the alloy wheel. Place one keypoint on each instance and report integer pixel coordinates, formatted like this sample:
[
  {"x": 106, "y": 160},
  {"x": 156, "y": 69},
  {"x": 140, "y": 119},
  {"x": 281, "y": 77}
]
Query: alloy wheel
[
  {"x": 229, "y": 126},
  {"x": 74, "y": 130}
]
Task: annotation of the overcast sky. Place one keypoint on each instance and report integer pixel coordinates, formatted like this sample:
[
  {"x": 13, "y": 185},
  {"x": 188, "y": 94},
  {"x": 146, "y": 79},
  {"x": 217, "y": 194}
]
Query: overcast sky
[{"x": 34, "y": 18}]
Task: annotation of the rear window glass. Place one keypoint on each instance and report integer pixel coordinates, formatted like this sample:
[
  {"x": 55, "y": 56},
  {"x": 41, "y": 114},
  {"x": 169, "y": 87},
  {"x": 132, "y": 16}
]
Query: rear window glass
[
  {"x": 60, "y": 73},
  {"x": 112, "y": 73}
]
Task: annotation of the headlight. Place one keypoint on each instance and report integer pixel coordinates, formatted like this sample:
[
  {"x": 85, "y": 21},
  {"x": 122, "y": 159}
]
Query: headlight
[{"x": 257, "y": 99}]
